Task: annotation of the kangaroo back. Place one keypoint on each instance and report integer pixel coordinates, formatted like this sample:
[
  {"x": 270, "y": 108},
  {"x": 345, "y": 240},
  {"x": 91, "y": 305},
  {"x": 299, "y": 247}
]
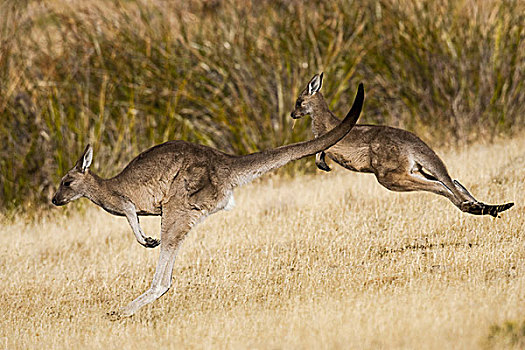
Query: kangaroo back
[{"x": 248, "y": 167}]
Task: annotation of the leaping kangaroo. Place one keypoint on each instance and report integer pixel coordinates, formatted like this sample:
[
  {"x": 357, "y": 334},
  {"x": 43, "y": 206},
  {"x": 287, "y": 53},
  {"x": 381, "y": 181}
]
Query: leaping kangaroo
[
  {"x": 183, "y": 183},
  {"x": 399, "y": 159}
]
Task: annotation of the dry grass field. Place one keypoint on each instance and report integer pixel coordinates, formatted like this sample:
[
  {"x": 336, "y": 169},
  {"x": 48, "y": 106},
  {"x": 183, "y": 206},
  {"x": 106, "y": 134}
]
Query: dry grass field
[{"x": 322, "y": 262}]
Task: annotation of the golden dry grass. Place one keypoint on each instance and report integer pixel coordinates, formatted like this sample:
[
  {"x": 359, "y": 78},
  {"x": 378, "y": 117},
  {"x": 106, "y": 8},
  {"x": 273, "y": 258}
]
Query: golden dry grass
[{"x": 325, "y": 261}]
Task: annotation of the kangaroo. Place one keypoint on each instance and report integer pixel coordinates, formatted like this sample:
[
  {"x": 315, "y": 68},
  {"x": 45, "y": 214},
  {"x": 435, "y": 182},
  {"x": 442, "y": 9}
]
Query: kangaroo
[
  {"x": 399, "y": 159},
  {"x": 183, "y": 183}
]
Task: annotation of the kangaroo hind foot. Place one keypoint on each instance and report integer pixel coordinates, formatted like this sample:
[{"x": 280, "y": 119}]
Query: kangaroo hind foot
[
  {"x": 473, "y": 206},
  {"x": 478, "y": 208}
]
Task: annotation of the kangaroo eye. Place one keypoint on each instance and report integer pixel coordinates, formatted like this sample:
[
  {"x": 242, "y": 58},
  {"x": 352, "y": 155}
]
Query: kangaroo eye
[{"x": 67, "y": 183}]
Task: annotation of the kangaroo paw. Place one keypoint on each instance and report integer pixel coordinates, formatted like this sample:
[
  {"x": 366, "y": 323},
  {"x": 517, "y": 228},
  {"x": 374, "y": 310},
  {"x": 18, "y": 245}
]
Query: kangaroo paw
[
  {"x": 151, "y": 242},
  {"x": 323, "y": 166},
  {"x": 320, "y": 162}
]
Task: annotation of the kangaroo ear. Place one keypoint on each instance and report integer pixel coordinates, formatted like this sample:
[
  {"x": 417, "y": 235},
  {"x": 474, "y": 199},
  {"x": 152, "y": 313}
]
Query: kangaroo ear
[
  {"x": 315, "y": 84},
  {"x": 85, "y": 160}
]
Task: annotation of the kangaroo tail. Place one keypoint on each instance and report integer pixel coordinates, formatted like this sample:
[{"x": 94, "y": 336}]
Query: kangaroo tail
[{"x": 251, "y": 166}]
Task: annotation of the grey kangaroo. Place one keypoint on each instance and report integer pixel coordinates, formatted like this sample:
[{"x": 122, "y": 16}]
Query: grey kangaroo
[
  {"x": 399, "y": 159},
  {"x": 183, "y": 183}
]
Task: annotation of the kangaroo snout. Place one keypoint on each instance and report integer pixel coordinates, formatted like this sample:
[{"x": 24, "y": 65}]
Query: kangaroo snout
[
  {"x": 56, "y": 202},
  {"x": 295, "y": 115}
]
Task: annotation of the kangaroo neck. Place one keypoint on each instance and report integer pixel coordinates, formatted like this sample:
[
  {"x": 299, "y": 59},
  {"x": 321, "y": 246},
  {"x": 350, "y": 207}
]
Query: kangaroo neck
[
  {"x": 323, "y": 120},
  {"x": 97, "y": 189}
]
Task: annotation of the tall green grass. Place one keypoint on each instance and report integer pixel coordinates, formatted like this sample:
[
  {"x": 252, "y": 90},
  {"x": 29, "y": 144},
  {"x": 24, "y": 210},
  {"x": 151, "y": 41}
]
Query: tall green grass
[{"x": 125, "y": 75}]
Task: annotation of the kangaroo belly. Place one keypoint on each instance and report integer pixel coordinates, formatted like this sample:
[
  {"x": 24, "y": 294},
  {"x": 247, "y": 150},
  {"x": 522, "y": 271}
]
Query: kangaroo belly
[
  {"x": 230, "y": 204},
  {"x": 355, "y": 159},
  {"x": 155, "y": 212},
  {"x": 148, "y": 208}
]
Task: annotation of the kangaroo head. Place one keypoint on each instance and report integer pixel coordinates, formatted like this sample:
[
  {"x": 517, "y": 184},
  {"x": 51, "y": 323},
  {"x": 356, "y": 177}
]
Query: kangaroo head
[
  {"x": 74, "y": 185},
  {"x": 309, "y": 98}
]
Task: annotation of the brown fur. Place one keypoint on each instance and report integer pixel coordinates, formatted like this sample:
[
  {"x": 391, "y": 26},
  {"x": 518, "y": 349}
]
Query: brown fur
[
  {"x": 400, "y": 160},
  {"x": 183, "y": 183}
]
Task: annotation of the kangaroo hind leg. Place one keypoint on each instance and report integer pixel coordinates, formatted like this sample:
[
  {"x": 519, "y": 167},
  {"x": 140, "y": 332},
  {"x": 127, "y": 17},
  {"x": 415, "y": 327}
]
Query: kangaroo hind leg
[
  {"x": 423, "y": 179},
  {"x": 457, "y": 193},
  {"x": 463, "y": 190},
  {"x": 406, "y": 181},
  {"x": 174, "y": 227},
  {"x": 476, "y": 207}
]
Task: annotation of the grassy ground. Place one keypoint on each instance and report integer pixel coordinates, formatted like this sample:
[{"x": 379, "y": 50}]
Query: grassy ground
[{"x": 325, "y": 261}]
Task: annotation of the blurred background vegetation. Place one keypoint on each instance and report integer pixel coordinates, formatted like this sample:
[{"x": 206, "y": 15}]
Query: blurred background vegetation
[{"x": 127, "y": 74}]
